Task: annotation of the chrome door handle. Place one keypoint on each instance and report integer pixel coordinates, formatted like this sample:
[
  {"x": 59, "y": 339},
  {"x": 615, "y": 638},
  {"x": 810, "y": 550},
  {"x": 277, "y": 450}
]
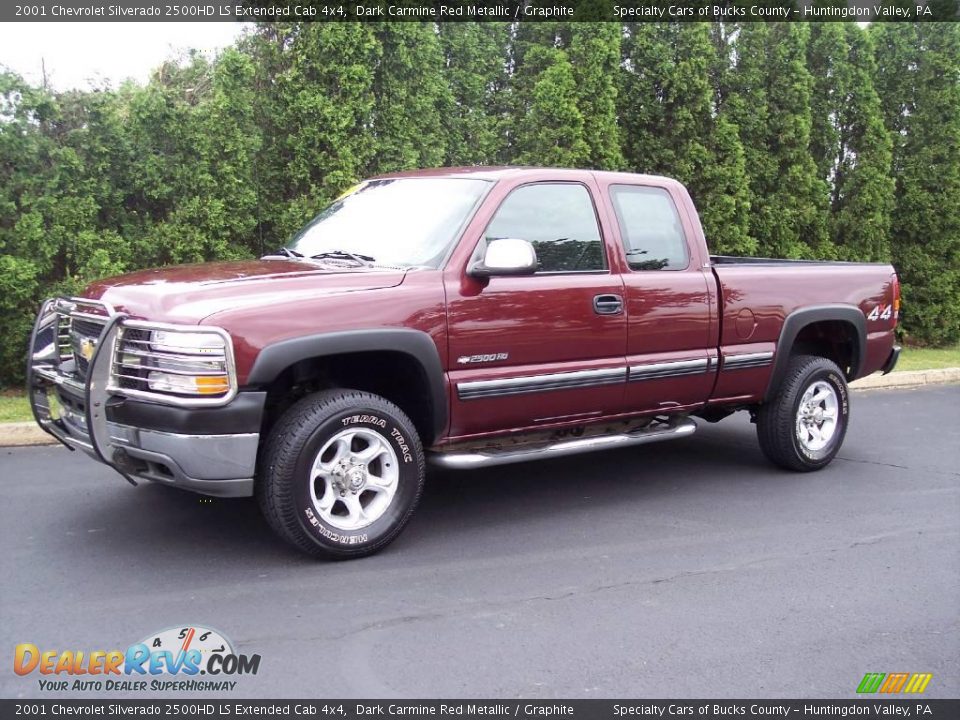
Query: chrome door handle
[{"x": 608, "y": 304}]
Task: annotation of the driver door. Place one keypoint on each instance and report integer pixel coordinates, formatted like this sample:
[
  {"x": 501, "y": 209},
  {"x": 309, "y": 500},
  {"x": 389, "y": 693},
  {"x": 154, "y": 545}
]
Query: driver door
[{"x": 542, "y": 349}]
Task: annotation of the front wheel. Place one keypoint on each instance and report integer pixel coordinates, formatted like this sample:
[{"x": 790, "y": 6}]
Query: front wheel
[
  {"x": 803, "y": 426},
  {"x": 342, "y": 472}
]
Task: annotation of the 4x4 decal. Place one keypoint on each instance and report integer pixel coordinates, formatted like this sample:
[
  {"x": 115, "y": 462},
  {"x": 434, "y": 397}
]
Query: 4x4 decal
[{"x": 881, "y": 312}]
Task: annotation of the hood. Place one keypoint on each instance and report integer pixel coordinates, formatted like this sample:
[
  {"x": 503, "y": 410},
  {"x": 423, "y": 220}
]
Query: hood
[{"x": 190, "y": 293}]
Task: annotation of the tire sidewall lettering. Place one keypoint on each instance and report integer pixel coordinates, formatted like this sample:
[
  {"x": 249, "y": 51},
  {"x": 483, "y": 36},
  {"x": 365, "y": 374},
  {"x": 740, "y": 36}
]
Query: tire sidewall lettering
[
  {"x": 363, "y": 419},
  {"x": 401, "y": 442},
  {"x": 343, "y": 539}
]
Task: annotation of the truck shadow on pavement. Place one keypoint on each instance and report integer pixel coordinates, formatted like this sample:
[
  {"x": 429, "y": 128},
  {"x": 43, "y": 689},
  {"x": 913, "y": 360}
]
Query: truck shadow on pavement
[{"x": 459, "y": 510}]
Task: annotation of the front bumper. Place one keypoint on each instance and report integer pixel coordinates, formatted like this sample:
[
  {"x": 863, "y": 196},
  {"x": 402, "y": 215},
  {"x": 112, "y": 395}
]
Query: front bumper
[{"x": 138, "y": 439}]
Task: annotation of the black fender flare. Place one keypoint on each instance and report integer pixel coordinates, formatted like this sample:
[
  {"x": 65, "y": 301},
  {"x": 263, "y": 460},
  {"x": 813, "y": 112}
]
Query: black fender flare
[
  {"x": 799, "y": 319},
  {"x": 274, "y": 359}
]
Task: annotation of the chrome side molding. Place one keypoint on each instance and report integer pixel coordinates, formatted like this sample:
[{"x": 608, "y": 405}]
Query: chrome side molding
[
  {"x": 540, "y": 383},
  {"x": 748, "y": 360},
  {"x": 676, "y": 368},
  {"x": 487, "y": 458}
]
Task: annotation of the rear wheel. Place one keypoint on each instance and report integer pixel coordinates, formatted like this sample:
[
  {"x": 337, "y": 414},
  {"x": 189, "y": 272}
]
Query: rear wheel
[
  {"x": 803, "y": 426},
  {"x": 342, "y": 473}
]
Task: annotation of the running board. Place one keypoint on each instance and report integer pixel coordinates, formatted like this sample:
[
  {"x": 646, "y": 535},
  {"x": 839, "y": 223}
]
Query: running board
[{"x": 489, "y": 458}]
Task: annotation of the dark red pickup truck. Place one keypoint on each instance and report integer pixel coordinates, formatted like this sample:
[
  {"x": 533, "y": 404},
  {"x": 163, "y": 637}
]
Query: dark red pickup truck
[{"x": 465, "y": 317}]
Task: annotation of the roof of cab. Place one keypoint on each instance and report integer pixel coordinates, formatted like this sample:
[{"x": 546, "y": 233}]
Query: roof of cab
[{"x": 501, "y": 172}]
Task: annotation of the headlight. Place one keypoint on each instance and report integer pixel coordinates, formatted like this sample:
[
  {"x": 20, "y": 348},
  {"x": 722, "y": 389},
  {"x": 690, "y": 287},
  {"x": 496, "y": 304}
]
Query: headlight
[
  {"x": 177, "y": 364},
  {"x": 172, "y": 341}
]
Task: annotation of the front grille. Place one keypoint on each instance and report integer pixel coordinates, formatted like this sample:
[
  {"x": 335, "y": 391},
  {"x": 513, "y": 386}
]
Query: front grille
[
  {"x": 64, "y": 343},
  {"x": 84, "y": 333},
  {"x": 150, "y": 361},
  {"x": 129, "y": 376}
]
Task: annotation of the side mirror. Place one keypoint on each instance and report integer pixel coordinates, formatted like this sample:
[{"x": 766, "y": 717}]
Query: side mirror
[{"x": 505, "y": 256}]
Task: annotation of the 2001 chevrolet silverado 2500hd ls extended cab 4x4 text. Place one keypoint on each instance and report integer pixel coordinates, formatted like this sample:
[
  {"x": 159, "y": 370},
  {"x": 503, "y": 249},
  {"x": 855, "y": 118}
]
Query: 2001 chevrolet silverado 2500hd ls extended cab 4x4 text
[{"x": 467, "y": 317}]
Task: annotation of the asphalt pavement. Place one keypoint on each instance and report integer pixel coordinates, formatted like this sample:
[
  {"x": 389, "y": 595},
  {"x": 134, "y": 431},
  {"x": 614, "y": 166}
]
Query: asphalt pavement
[{"x": 686, "y": 569}]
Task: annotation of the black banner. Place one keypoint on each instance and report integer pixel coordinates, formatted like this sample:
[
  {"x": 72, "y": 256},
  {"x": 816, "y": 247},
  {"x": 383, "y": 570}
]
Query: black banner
[
  {"x": 866, "y": 707},
  {"x": 481, "y": 10}
]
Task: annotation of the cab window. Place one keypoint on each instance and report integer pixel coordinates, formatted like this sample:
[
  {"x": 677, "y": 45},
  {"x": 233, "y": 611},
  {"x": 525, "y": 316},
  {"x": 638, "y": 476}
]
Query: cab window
[
  {"x": 650, "y": 227},
  {"x": 559, "y": 220}
]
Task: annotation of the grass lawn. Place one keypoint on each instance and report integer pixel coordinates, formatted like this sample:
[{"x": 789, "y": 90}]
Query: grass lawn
[
  {"x": 14, "y": 407},
  {"x": 913, "y": 358}
]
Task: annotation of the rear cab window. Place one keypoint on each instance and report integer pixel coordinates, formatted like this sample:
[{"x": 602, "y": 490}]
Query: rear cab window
[
  {"x": 559, "y": 220},
  {"x": 650, "y": 228}
]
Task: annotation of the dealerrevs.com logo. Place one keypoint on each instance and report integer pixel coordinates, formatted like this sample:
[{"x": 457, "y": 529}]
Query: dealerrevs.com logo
[{"x": 170, "y": 660}]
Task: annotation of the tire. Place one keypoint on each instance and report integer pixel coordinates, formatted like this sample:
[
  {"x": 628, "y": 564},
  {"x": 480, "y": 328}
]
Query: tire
[
  {"x": 341, "y": 474},
  {"x": 803, "y": 426}
]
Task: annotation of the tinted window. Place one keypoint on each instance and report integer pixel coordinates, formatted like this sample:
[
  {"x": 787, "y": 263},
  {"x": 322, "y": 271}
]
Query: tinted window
[
  {"x": 650, "y": 226},
  {"x": 560, "y": 222}
]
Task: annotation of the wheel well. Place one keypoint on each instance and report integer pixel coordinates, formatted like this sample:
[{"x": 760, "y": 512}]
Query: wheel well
[
  {"x": 836, "y": 340},
  {"x": 396, "y": 376}
]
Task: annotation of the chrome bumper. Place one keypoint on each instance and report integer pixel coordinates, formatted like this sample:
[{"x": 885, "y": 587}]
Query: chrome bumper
[{"x": 218, "y": 465}]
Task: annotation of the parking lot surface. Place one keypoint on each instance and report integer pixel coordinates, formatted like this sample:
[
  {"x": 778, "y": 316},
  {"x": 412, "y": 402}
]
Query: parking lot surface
[{"x": 689, "y": 568}]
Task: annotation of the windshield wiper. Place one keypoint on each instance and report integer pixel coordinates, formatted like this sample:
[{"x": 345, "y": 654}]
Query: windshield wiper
[
  {"x": 284, "y": 252},
  {"x": 343, "y": 254}
]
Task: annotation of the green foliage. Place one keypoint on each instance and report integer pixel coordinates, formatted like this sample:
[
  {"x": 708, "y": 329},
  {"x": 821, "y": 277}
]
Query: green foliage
[
  {"x": 822, "y": 140},
  {"x": 850, "y": 144},
  {"x": 919, "y": 84},
  {"x": 666, "y": 83},
  {"x": 313, "y": 99},
  {"x": 594, "y": 53},
  {"x": 549, "y": 125},
  {"x": 412, "y": 97},
  {"x": 475, "y": 56},
  {"x": 771, "y": 105}
]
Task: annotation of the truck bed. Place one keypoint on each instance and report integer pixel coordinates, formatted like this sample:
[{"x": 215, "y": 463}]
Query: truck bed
[{"x": 757, "y": 295}]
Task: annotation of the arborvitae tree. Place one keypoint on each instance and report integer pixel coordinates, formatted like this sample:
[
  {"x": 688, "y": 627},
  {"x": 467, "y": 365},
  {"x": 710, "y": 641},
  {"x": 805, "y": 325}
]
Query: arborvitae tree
[
  {"x": 548, "y": 126},
  {"x": 827, "y": 62},
  {"x": 770, "y": 103},
  {"x": 475, "y": 56},
  {"x": 850, "y": 144},
  {"x": 412, "y": 98},
  {"x": 721, "y": 61},
  {"x": 918, "y": 66},
  {"x": 315, "y": 98},
  {"x": 647, "y": 61},
  {"x": 595, "y": 55},
  {"x": 666, "y": 84},
  {"x": 724, "y": 202}
]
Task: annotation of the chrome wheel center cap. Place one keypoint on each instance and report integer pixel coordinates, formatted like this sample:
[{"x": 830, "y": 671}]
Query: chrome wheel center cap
[{"x": 356, "y": 477}]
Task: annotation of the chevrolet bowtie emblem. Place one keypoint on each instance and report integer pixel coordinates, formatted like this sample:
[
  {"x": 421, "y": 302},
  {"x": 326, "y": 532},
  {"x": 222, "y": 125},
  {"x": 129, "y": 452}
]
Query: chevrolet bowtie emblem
[{"x": 86, "y": 348}]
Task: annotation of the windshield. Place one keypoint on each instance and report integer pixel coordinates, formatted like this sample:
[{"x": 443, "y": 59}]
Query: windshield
[{"x": 398, "y": 221}]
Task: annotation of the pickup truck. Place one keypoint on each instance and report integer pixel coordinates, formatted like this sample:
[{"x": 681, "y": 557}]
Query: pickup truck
[{"x": 464, "y": 317}]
